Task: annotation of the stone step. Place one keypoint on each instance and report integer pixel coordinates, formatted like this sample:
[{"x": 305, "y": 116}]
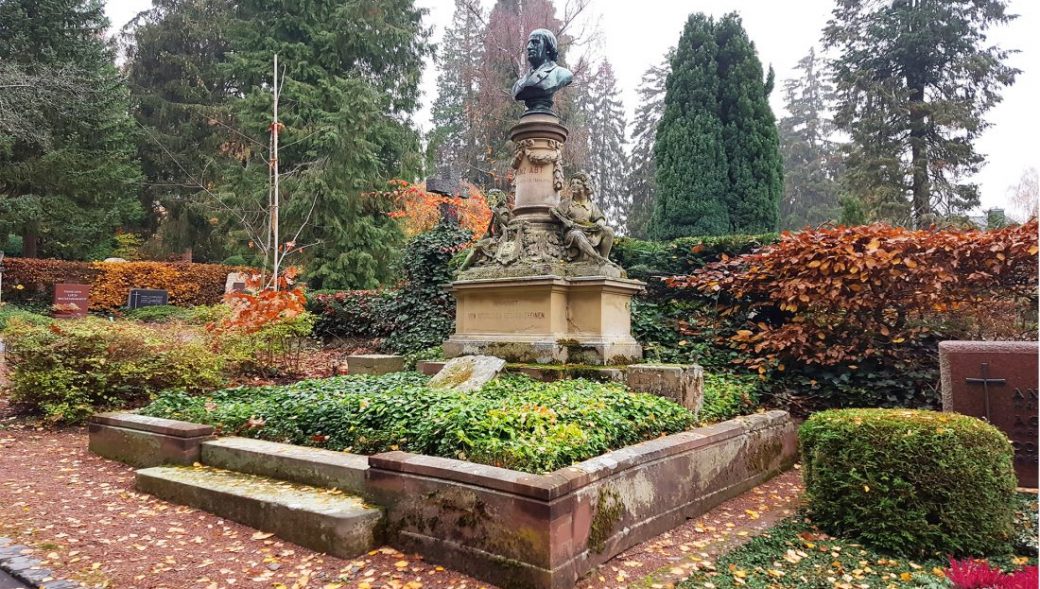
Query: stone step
[
  {"x": 326, "y": 520},
  {"x": 296, "y": 464}
]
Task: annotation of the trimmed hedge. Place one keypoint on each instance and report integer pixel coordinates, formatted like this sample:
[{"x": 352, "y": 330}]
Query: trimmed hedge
[
  {"x": 513, "y": 422},
  {"x": 645, "y": 260},
  {"x": 910, "y": 482},
  {"x": 31, "y": 281},
  {"x": 67, "y": 370}
]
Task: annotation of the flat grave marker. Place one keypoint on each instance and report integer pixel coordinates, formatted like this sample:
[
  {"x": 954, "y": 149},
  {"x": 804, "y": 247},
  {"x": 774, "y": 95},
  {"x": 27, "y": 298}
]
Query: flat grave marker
[
  {"x": 147, "y": 297},
  {"x": 998, "y": 382},
  {"x": 71, "y": 300}
]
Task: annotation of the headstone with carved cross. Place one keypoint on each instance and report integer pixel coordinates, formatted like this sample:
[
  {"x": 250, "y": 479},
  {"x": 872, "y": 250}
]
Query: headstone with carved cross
[{"x": 998, "y": 382}]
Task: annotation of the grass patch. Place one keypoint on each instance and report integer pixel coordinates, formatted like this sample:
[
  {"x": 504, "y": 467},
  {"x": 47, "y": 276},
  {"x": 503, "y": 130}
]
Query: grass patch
[
  {"x": 796, "y": 555},
  {"x": 513, "y": 422}
]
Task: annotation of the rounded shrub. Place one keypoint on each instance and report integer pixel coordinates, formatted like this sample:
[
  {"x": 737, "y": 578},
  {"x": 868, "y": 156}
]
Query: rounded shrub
[{"x": 910, "y": 482}]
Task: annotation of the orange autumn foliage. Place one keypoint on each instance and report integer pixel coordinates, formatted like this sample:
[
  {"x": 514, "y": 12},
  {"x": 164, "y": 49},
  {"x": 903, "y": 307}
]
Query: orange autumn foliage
[
  {"x": 419, "y": 211},
  {"x": 850, "y": 294},
  {"x": 256, "y": 307}
]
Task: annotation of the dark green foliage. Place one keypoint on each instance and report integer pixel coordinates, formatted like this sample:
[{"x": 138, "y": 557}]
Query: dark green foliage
[
  {"x": 728, "y": 395},
  {"x": 812, "y": 162},
  {"x": 911, "y": 482},
  {"x": 749, "y": 132},
  {"x": 717, "y": 150},
  {"x": 690, "y": 158},
  {"x": 422, "y": 313},
  {"x": 175, "y": 56},
  {"x": 357, "y": 313},
  {"x": 70, "y": 185},
  {"x": 512, "y": 422},
  {"x": 806, "y": 557},
  {"x": 68, "y": 370},
  {"x": 914, "y": 80}
]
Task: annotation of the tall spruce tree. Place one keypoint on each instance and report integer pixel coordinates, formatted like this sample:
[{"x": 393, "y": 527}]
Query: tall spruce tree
[
  {"x": 351, "y": 77},
  {"x": 641, "y": 185},
  {"x": 456, "y": 116},
  {"x": 812, "y": 160},
  {"x": 749, "y": 132},
  {"x": 914, "y": 80},
  {"x": 175, "y": 68},
  {"x": 692, "y": 176},
  {"x": 607, "y": 160},
  {"x": 67, "y": 193}
]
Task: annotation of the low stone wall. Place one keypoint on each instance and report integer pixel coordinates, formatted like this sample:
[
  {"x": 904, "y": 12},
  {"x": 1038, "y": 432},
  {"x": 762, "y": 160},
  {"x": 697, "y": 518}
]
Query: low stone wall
[
  {"x": 546, "y": 531},
  {"x": 143, "y": 441},
  {"x": 510, "y": 528}
]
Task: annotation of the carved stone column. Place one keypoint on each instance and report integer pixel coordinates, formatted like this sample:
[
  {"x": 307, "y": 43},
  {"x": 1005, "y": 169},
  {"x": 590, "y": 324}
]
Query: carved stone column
[{"x": 538, "y": 165}]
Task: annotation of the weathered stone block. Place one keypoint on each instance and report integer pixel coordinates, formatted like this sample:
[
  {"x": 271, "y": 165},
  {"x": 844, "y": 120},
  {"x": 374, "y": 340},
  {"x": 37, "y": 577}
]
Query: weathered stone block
[
  {"x": 429, "y": 367},
  {"x": 143, "y": 441},
  {"x": 340, "y": 525},
  {"x": 467, "y": 373},
  {"x": 374, "y": 363},
  {"x": 297, "y": 464},
  {"x": 682, "y": 384}
]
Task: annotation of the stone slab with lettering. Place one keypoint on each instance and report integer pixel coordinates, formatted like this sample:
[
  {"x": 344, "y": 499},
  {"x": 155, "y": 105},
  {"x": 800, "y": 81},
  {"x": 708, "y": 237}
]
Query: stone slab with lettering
[
  {"x": 467, "y": 373},
  {"x": 236, "y": 282},
  {"x": 147, "y": 297},
  {"x": 71, "y": 300},
  {"x": 998, "y": 382}
]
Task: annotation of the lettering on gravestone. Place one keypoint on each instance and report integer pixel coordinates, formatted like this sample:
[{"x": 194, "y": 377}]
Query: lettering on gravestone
[
  {"x": 71, "y": 300},
  {"x": 147, "y": 297},
  {"x": 998, "y": 382}
]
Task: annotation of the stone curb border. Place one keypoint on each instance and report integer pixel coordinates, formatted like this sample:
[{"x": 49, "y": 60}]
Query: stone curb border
[{"x": 14, "y": 562}]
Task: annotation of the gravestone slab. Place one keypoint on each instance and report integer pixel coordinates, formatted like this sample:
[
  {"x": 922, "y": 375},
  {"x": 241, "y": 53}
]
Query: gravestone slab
[
  {"x": 682, "y": 384},
  {"x": 147, "y": 297},
  {"x": 236, "y": 282},
  {"x": 998, "y": 382},
  {"x": 374, "y": 363},
  {"x": 71, "y": 300},
  {"x": 467, "y": 373}
]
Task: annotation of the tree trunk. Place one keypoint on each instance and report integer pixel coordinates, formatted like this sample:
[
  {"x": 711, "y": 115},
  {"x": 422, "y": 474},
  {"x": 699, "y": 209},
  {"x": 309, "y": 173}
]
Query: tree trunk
[
  {"x": 30, "y": 244},
  {"x": 919, "y": 157}
]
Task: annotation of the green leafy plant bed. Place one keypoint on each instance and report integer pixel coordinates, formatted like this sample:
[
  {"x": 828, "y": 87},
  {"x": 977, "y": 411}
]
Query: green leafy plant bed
[
  {"x": 796, "y": 555},
  {"x": 513, "y": 422}
]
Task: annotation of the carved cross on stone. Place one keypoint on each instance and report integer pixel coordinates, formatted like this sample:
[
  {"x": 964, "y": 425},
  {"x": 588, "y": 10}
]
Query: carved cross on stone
[{"x": 985, "y": 381}]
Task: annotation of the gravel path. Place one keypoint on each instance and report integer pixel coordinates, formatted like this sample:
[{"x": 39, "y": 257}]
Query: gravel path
[{"x": 88, "y": 524}]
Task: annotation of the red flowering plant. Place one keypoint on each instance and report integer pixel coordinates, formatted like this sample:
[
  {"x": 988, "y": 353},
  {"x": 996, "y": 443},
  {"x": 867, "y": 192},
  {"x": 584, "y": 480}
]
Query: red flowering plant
[{"x": 978, "y": 574}]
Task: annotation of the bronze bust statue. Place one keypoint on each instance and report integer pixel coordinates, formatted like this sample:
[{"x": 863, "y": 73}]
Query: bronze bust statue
[{"x": 536, "y": 88}]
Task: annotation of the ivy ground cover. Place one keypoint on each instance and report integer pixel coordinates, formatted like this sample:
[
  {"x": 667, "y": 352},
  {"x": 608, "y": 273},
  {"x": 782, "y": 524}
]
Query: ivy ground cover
[
  {"x": 513, "y": 422},
  {"x": 797, "y": 555}
]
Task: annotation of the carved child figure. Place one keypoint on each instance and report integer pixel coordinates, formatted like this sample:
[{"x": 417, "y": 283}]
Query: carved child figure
[{"x": 585, "y": 228}]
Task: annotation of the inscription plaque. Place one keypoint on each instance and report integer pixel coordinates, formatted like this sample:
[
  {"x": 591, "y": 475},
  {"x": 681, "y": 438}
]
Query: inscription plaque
[
  {"x": 71, "y": 300},
  {"x": 998, "y": 382},
  {"x": 147, "y": 297}
]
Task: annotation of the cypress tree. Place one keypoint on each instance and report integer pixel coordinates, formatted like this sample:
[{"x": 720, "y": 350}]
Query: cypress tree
[
  {"x": 67, "y": 186},
  {"x": 748, "y": 131},
  {"x": 691, "y": 173}
]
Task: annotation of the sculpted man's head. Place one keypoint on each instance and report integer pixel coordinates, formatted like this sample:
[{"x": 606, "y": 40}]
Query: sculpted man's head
[{"x": 541, "y": 47}]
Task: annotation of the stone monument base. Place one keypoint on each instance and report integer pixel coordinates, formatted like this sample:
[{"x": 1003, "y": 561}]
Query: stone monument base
[{"x": 546, "y": 319}]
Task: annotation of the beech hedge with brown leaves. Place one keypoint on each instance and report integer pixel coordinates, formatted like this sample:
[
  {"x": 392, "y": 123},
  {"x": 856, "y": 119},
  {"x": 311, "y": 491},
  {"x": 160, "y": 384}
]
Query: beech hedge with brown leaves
[{"x": 868, "y": 293}]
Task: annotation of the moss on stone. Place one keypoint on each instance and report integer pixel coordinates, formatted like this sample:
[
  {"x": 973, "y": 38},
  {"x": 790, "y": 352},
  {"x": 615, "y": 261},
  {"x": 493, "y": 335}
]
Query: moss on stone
[{"x": 609, "y": 509}]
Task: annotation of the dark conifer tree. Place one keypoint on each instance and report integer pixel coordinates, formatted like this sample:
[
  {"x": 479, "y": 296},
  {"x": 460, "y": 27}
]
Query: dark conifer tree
[
  {"x": 914, "y": 80},
  {"x": 692, "y": 178},
  {"x": 69, "y": 184},
  {"x": 641, "y": 185}
]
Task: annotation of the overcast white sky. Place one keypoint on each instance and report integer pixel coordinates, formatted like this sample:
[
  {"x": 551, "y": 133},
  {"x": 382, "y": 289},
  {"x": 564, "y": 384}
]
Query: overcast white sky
[{"x": 637, "y": 34}]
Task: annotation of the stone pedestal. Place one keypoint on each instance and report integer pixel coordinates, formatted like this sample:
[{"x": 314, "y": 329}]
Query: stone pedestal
[{"x": 546, "y": 319}]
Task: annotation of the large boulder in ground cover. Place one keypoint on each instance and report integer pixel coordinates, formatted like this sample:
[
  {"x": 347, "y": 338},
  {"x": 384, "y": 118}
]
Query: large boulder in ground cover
[
  {"x": 467, "y": 373},
  {"x": 912, "y": 482}
]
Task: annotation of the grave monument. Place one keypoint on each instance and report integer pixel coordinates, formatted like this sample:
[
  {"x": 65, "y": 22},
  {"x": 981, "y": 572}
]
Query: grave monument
[
  {"x": 996, "y": 381},
  {"x": 539, "y": 286}
]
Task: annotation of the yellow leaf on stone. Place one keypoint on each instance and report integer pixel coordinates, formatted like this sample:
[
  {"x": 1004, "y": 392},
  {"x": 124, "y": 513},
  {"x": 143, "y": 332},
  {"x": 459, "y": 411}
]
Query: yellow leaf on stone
[
  {"x": 261, "y": 536},
  {"x": 401, "y": 564},
  {"x": 333, "y": 585}
]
